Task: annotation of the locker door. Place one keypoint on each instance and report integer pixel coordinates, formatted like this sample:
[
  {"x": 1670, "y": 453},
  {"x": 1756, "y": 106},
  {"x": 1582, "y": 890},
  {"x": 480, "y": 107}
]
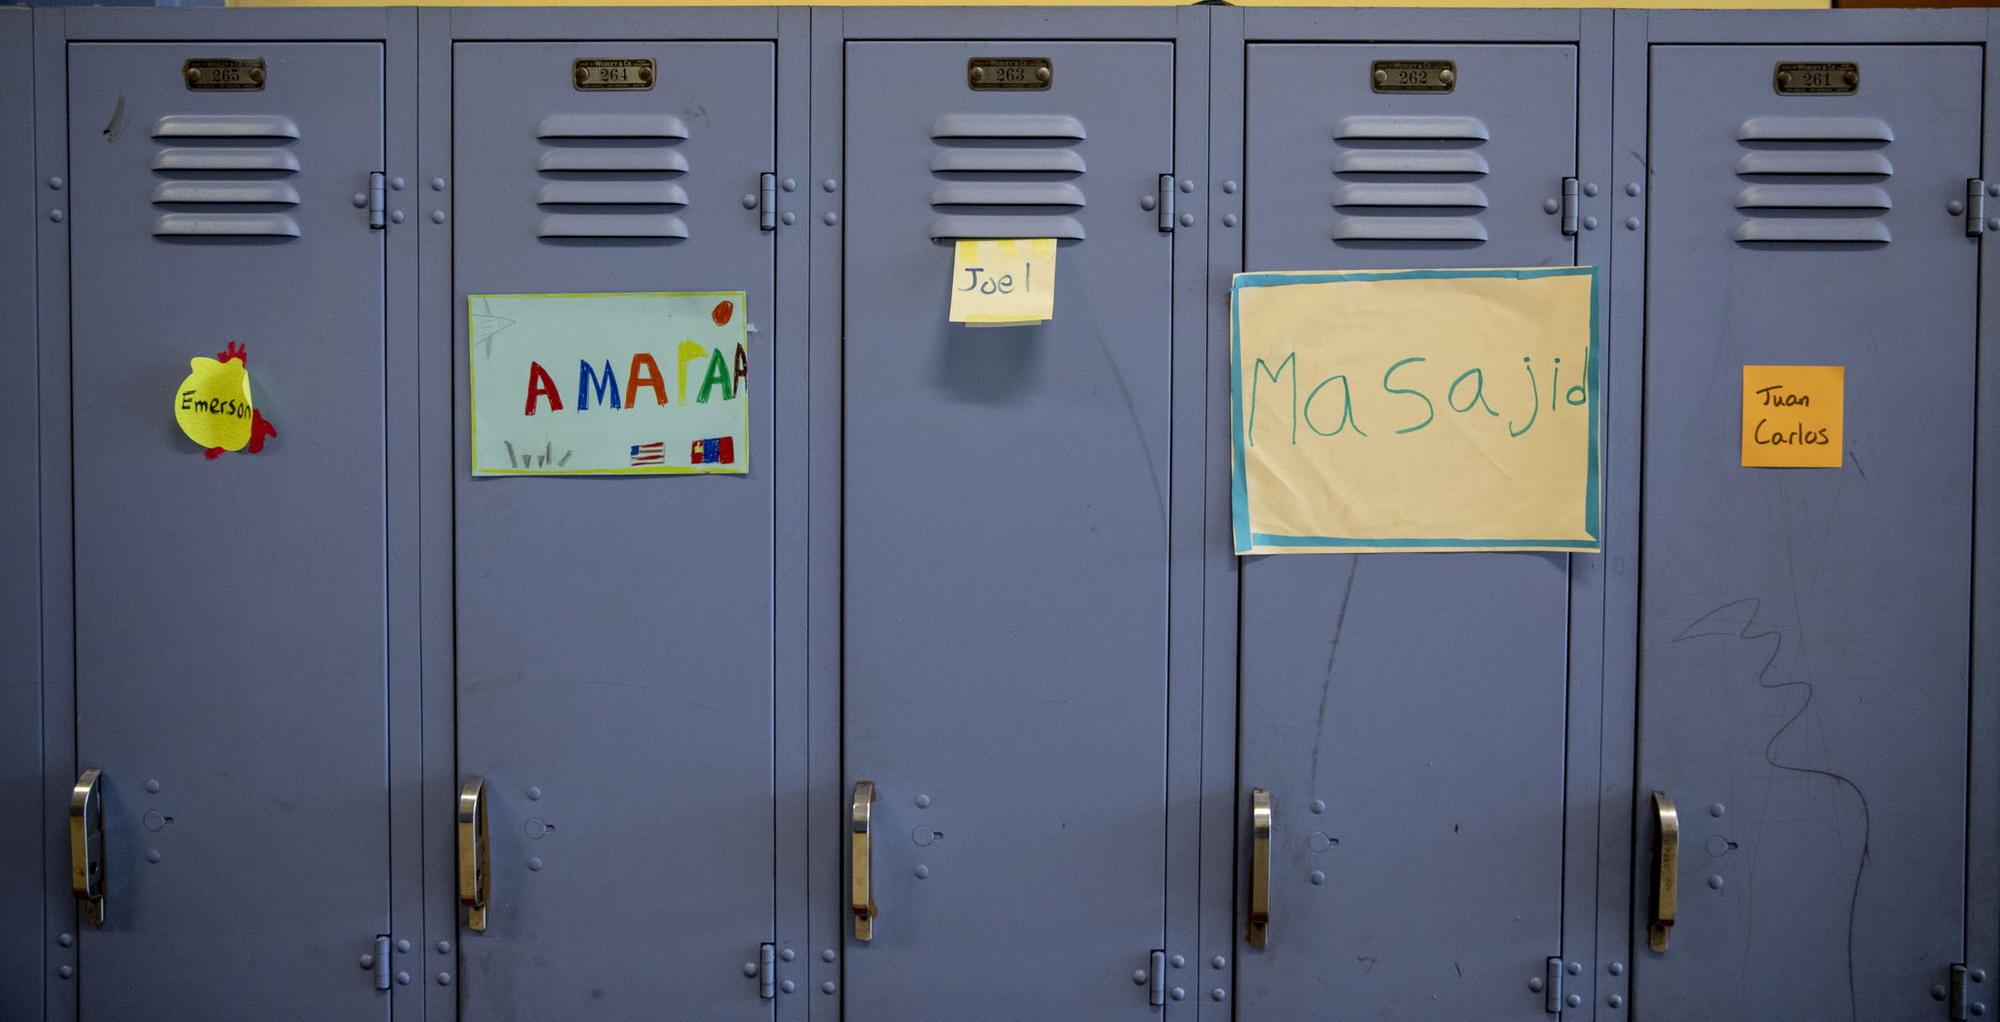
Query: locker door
[
  {"x": 615, "y": 634},
  {"x": 1006, "y": 536},
  {"x": 1405, "y": 711},
  {"x": 230, "y": 634},
  {"x": 1803, "y": 632}
]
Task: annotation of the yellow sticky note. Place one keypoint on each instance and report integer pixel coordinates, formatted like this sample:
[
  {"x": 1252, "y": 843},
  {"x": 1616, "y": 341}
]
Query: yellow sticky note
[
  {"x": 1792, "y": 416},
  {"x": 1003, "y": 281},
  {"x": 213, "y": 407},
  {"x": 1415, "y": 410}
]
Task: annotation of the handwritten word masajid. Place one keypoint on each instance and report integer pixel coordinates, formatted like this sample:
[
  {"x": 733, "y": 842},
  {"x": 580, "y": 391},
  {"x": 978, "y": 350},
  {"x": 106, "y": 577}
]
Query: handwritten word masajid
[
  {"x": 1404, "y": 403},
  {"x": 599, "y": 383}
]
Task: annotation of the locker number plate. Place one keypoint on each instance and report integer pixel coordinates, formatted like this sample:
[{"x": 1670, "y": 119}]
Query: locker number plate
[
  {"x": 1837, "y": 78},
  {"x": 613, "y": 73},
  {"x": 1009, "y": 72},
  {"x": 1413, "y": 75},
  {"x": 224, "y": 73}
]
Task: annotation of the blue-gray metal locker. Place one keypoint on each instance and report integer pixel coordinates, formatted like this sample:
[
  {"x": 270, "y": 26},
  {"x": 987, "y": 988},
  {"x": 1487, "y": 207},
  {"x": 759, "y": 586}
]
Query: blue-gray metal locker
[
  {"x": 615, "y": 636},
  {"x": 1803, "y": 686},
  {"x": 230, "y": 613},
  {"x": 1405, "y": 737},
  {"x": 21, "y": 885},
  {"x": 1006, "y": 501}
]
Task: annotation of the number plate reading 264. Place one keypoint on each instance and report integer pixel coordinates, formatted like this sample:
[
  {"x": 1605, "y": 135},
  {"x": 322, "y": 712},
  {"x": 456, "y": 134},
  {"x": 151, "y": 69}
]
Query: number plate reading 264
[
  {"x": 1817, "y": 79},
  {"x": 1009, "y": 72},
  {"x": 613, "y": 73},
  {"x": 1413, "y": 76}
]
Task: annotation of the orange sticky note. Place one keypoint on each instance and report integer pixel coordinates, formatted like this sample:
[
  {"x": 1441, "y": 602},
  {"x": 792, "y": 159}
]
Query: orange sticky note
[{"x": 1792, "y": 416}]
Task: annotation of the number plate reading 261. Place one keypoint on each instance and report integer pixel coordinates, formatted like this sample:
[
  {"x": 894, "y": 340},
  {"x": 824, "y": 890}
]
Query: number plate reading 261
[
  {"x": 1817, "y": 79},
  {"x": 224, "y": 73},
  {"x": 613, "y": 73},
  {"x": 1413, "y": 75},
  {"x": 1009, "y": 72}
]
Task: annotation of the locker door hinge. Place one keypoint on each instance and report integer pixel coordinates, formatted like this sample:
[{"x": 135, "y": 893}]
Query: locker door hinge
[
  {"x": 767, "y": 971},
  {"x": 1166, "y": 202},
  {"x": 767, "y": 202},
  {"x": 381, "y": 952},
  {"x": 1569, "y": 207},
  {"x": 377, "y": 213},
  {"x": 1954, "y": 995},
  {"x": 1975, "y": 207},
  {"x": 1552, "y": 976},
  {"x": 1157, "y": 992}
]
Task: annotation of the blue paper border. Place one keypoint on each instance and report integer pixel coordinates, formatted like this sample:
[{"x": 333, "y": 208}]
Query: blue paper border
[{"x": 1239, "y": 496}]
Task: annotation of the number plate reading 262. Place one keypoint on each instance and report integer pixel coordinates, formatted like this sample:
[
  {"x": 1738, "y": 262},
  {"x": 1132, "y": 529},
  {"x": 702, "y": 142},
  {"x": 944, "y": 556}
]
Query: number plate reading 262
[
  {"x": 1009, "y": 72},
  {"x": 1413, "y": 75},
  {"x": 1817, "y": 79},
  {"x": 613, "y": 73}
]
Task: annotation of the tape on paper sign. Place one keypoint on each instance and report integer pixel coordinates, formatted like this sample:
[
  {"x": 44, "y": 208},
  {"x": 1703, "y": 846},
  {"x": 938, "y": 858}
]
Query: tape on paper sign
[
  {"x": 610, "y": 384},
  {"x": 1415, "y": 410},
  {"x": 1003, "y": 281}
]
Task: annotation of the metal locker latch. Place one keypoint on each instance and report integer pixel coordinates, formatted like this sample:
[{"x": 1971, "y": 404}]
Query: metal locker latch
[
  {"x": 1158, "y": 995},
  {"x": 862, "y": 901},
  {"x": 767, "y": 971},
  {"x": 1666, "y": 869},
  {"x": 475, "y": 870},
  {"x": 1569, "y": 201},
  {"x": 767, "y": 202},
  {"x": 1552, "y": 986},
  {"x": 1975, "y": 207},
  {"x": 86, "y": 845},
  {"x": 1166, "y": 202},
  {"x": 382, "y": 961}
]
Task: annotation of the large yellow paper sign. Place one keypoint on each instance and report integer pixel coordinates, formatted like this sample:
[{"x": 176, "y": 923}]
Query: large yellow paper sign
[
  {"x": 1003, "y": 281},
  {"x": 1415, "y": 410},
  {"x": 1792, "y": 415}
]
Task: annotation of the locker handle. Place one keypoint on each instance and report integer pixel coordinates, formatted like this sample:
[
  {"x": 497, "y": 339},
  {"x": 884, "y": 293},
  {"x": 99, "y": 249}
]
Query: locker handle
[
  {"x": 474, "y": 875},
  {"x": 863, "y": 894},
  {"x": 86, "y": 844},
  {"x": 1257, "y": 929},
  {"x": 1666, "y": 867}
]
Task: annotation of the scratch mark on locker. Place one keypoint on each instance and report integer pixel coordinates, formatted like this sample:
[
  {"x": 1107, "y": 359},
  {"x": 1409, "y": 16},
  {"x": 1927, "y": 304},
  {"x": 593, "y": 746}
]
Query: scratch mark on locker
[
  {"x": 1333, "y": 650},
  {"x": 1748, "y": 608},
  {"x": 1857, "y": 464},
  {"x": 116, "y": 125}
]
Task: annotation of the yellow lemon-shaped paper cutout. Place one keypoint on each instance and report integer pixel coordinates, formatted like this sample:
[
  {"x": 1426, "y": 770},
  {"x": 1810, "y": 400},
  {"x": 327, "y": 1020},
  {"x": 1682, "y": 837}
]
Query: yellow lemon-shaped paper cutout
[{"x": 213, "y": 404}]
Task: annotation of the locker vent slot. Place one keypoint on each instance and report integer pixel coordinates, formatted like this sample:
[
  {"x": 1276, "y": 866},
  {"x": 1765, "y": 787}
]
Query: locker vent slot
[
  {"x": 1813, "y": 179},
  {"x": 1007, "y": 176},
  {"x": 232, "y": 183},
  {"x": 1409, "y": 179},
  {"x": 610, "y": 175}
]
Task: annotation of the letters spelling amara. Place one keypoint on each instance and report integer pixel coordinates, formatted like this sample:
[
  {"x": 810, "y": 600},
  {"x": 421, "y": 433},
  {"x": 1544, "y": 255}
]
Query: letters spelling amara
[
  {"x": 1466, "y": 393},
  {"x": 642, "y": 375}
]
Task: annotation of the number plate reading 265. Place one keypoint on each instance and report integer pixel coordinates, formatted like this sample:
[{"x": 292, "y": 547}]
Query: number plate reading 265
[
  {"x": 1817, "y": 79},
  {"x": 613, "y": 73},
  {"x": 224, "y": 73},
  {"x": 1413, "y": 76},
  {"x": 1009, "y": 72}
]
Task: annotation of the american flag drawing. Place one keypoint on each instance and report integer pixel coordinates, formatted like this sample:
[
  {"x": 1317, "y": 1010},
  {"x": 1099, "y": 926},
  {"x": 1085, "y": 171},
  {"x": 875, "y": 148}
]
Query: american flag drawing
[{"x": 649, "y": 454}]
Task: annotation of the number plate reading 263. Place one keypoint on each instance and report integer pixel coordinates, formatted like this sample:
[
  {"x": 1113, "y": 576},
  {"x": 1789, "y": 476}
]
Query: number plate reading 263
[
  {"x": 613, "y": 73},
  {"x": 1413, "y": 75},
  {"x": 1817, "y": 79},
  {"x": 1009, "y": 72}
]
